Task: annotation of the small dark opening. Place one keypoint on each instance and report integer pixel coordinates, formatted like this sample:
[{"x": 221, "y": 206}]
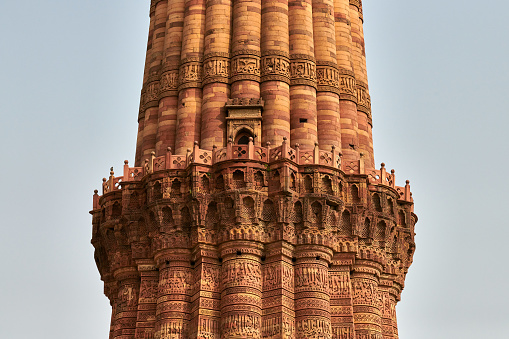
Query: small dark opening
[
  {"x": 318, "y": 257},
  {"x": 167, "y": 262},
  {"x": 239, "y": 252},
  {"x": 192, "y": 263},
  {"x": 244, "y": 140},
  {"x": 220, "y": 260},
  {"x": 263, "y": 258},
  {"x": 301, "y": 120},
  {"x": 294, "y": 259}
]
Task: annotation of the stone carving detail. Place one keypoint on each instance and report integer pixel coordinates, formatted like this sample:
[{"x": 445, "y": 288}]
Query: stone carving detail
[
  {"x": 169, "y": 81},
  {"x": 313, "y": 328},
  {"x": 215, "y": 69},
  {"x": 303, "y": 70},
  {"x": 151, "y": 92},
  {"x": 241, "y": 272},
  {"x": 363, "y": 99},
  {"x": 339, "y": 284},
  {"x": 245, "y": 66},
  {"x": 190, "y": 74},
  {"x": 342, "y": 332},
  {"x": 241, "y": 324},
  {"x": 275, "y": 66}
]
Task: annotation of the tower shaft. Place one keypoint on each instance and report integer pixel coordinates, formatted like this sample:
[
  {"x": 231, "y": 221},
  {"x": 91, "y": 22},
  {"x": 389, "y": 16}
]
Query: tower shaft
[{"x": 254, "y": 209}]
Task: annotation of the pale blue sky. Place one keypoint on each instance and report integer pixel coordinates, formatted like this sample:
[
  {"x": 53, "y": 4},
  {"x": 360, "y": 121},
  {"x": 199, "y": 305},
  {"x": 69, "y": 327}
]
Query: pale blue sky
[{"x": 70, "y": 78}]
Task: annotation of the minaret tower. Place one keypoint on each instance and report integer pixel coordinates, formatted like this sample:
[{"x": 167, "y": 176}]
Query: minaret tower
[{"x": 254, "y": 208}]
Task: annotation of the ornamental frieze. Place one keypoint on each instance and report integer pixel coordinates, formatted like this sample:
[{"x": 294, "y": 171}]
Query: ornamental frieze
[
  {"x": 314, "y": 328},
  {"x": 190, "y": 74},
  {"x": 216, "y": 68},
  {"x": 363, "y": 99},
  {"x": 242, "y": 324},
  {"x": 152, "y": 92},
  {"x": 245, "y": 66},
  {"x": 342, "y": 332},
  {"x": 302, "y": 70},
  {"x": 275, "y": 66},
  {"x": 327, "y": 77},
  {"x": 169, "y": 81}
]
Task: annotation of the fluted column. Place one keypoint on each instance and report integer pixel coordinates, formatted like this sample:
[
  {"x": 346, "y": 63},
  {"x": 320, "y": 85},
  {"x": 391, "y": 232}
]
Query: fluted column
[
  {"x": 190, "y": 77},
  {"x": 312, "y": 298},
  {"x": 388, "y": 307},
  {"x": 346, "y": 78},
  {"x": 275, "y": 72},
  {"x": 174, "y": 294},
  {"x": 245, "y": 63},
  {"x": 340, "y": 287},
  {"x": 241, "y": 290},
  {"x": 206, "y": 300},
  {"x": 215, "y": 73},
  {"x": 364, "y": 119},
  {"x": 127, "y": 305},
  {"x": 278, "y": 321},
  {"x": 303, "y": 74},
  {"x": 327, "y": 95},
  {"x": 168, "y": 102},
  {"x": 366, "y": 305},
  {"x": 152, "y": 85},
  {"x": 149, "y": 279},
  {"x": 143, "y": 99}
]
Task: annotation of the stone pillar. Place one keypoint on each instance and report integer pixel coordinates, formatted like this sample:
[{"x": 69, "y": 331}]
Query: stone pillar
[
  {"x": 275, "y": 72},
  {"x": 206, "y": 300},
  {"x": 340, "y": 287},
  {"x": 327, "y": 95},
  {"x": 190, "y": 77},
  {"x": 245, "y": 67},
  {"x": 174, "y": 294},
  {"x": 348, "y": 89},
  {"x": 127, "y": 303},
  {"x": 241, "y": 290},
  {"x": 169, "y": 77},
  {"x": 146, "y": 320},
  {"x": 278, "y": 321},
  {"x": 312, "y": 298},
  {"x": 366, "y": 305},
  {"x": 364, "y": 119},
  {"x": 303, "y": 75},
  {"x": 215, "y": 73}
]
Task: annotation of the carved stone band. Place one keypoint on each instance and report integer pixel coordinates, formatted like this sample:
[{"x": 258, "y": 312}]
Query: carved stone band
[
  {"x": 245, "y": 67},
  {"x": 303, "y": 72},
  {"x": 275, "y": 68},
  {"x": 169, "y": 82},
  {"x": 150, "y": 95},
  {"x": 215, "y": 69},
  {"x": 190, "y": 74},
  {"x": 363, "y": 100}
]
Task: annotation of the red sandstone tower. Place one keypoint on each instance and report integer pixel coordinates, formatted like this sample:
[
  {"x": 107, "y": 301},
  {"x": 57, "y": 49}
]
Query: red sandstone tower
[{"x": 254, "y": 209}]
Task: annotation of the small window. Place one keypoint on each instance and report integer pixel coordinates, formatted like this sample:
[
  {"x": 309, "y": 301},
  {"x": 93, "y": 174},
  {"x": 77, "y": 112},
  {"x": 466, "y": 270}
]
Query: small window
[{"x": 301, "y": 120}]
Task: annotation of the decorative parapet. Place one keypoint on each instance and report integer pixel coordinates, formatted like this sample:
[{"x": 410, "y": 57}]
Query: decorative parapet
[{"x": 250, "y": 152}]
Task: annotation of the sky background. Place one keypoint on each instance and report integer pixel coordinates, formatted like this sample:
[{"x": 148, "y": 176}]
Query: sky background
[{"x": 70, "y": 81}]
